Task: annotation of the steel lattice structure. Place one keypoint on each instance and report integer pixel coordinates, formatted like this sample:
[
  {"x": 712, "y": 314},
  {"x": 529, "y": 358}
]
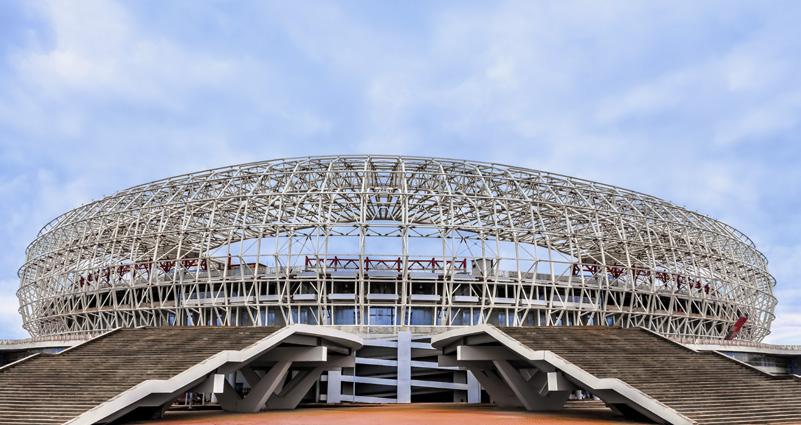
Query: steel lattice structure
[{"x": 391, "y": 241}]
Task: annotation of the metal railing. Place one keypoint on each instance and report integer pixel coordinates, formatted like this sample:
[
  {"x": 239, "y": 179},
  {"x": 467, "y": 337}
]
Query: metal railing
[
  {"x": 736, "y": 343},
  {"x": 75, "y": 336}
]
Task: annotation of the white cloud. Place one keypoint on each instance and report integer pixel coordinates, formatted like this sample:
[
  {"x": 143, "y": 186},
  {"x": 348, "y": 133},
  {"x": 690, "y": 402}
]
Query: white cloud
[
  {"x": 665, "y": 98},
  {"x": 99, "y": 51},
  {"x": 10, "y": 320},
  {"x": 786, "y": 329}
]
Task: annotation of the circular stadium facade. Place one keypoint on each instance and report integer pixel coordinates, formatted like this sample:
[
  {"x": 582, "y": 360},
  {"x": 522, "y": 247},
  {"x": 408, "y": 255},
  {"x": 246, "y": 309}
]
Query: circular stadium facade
[{"x": 389, "y": 241}]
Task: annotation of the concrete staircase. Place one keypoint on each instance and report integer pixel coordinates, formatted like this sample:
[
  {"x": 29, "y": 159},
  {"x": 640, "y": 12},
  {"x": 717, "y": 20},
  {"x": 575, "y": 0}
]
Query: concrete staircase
[
  {"x": 705, "y": 387},
  {"x": 53, "y": 389}
]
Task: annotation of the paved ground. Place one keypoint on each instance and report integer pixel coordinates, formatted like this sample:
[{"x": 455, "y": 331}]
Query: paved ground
[{"x": 413, "y": 414}]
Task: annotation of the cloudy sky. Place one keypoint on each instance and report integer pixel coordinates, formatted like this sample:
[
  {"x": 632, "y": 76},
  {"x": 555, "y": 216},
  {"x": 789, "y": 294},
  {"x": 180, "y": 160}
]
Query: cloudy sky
[{"x": 698, "y": 104}]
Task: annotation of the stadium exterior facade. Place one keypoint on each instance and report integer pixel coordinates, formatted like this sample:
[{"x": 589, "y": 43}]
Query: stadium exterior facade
[
  {"x": 382, "y": 243},
  {"x": 389, "y": 279}
]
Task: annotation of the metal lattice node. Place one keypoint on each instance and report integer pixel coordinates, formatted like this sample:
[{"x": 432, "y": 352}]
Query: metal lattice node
[{"x": 392, "y": 241}]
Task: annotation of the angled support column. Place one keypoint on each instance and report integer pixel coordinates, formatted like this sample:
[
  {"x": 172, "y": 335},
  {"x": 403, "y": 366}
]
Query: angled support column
[
  {"x": 251, "y": 377},
  {"x": 535, "y": 394},
  {"x": 291, "y": 395},
  {"x": 259, "y": 394},
  {"x": 499, "y": 392},
  {"x": 293, "y": 391}
]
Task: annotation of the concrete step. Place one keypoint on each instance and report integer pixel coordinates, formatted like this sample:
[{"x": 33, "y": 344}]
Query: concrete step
[
  {"x": 52, "y": 389},
  {"x": 705, "y": 387}
]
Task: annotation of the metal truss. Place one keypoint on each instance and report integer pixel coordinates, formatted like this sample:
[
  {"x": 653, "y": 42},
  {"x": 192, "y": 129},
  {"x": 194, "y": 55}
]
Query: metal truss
[{"x": 388, "y": 241}]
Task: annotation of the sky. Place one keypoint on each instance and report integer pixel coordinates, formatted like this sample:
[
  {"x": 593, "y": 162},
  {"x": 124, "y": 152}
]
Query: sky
[{"x": 695, "y": 102}]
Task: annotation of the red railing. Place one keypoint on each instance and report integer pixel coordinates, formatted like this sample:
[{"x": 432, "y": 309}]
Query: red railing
[
  {"x": 617, "y": 271},
  {"x": 142, "y": 269},
  {"x": 736, "y": 327},
  {"x": 396, "y": 264}
]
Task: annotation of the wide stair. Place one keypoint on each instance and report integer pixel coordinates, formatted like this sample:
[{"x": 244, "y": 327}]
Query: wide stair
[
  {"x": 707, "y": 388},
  {"x": 53, "y": 389}
]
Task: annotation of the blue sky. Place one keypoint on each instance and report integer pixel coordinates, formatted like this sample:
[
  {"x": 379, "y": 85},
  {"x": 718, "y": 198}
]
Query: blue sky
[{"x": 695, "y": 102}]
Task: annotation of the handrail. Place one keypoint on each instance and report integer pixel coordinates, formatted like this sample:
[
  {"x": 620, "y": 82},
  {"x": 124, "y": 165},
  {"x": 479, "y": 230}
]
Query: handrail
[
  {"x": 735, "y": 343},
  {"x": 75, "y": 336}
]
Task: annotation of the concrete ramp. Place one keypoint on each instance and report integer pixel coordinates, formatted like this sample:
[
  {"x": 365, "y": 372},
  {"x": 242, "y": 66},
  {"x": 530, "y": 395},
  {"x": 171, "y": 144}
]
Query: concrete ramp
[
  {"x": 634, "y": 371},
  {"x": 140, "y": 372}
]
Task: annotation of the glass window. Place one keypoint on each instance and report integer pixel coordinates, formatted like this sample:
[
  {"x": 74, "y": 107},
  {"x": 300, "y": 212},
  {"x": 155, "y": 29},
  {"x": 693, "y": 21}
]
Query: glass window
[
  {"x": 305, "y": 315},
  {"x": 272, "y": 317},
  {"x": 382, "y": 287},
  {"x": 421, "y": 316},
  {"x": 497, "y": 317},
  {"x": 382, "y": 316},
  {"x": 529, "y": 320},
  {"x": 462, "y": 317},
  {"x": 344, "y": 315},
  {"x": 244, "y": 318}
]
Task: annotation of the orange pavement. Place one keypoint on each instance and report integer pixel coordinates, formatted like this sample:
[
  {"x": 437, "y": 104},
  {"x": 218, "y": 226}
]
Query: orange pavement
[{"x": 410, "y": 414}]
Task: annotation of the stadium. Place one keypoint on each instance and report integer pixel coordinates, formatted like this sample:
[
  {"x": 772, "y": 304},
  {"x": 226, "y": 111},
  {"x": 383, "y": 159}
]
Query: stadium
[{"x": 415, "y": 279}]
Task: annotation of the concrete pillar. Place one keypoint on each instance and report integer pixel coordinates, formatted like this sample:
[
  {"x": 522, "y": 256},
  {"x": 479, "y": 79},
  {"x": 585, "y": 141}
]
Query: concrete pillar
[
  {"x": 292, "y": 393},
  {"x": 473, "y": 389},
  {"x": 334, "y": 394},
  {"x": 459, "y": 377},
  {"x": 251, "y": 377},
  {"x": 499, "y": 392},
  {"x": 404, "y": 394},
  {"x": 259, "y": 394},
  {"x": 544, "y": 391}
]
